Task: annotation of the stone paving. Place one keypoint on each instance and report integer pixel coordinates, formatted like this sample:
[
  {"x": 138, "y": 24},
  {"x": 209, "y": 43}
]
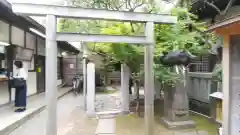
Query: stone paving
[
  {"x": 11, "y": 120},
  {"x": 105, "y": 102},
  {"x": 36, "y": 125}
]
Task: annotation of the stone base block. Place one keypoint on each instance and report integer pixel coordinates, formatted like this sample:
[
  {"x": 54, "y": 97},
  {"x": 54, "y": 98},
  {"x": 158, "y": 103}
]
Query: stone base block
[
  {"x": 106, "y": 122},
  {"x": 106, "y": 126},
  {"x": 106, "y": 134},
  {"x": 125, "y": 112},
  {"x": 179, "y": 124},
  {"x": 91, "y": 114}
]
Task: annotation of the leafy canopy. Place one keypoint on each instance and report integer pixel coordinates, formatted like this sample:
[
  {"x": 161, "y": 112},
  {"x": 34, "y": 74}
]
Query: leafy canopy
[{"x": 168, "y": 37}]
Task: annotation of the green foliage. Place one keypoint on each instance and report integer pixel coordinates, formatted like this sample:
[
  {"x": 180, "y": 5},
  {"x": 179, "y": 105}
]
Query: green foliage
[
  {"x": 178, "y": 36},
  {"x": 131, "y": 55},
  {"x": 168, "y": 37},
  {"x": 217, "y": 72},
  {"x": 165, "y": 75}
]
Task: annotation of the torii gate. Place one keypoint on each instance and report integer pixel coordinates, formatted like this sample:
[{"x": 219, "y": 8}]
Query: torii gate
[{"x": 52, "y": 12}]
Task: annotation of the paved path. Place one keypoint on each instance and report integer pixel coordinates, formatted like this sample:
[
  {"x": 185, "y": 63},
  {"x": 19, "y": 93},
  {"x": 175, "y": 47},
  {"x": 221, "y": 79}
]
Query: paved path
[
  {"x": 105, "y": 102},
  {"x": 71, "y": 116},
  {"x": 36, "y": 126},
  {"x": 72, "y": 119},
  {"x": 10, "y": 120}
]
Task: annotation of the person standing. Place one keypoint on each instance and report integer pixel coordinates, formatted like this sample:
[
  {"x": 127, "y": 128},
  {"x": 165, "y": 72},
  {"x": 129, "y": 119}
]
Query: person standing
[{"x": 21, "y": 91}]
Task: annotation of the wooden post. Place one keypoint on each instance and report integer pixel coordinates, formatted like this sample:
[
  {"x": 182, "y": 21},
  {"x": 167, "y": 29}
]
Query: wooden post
[
  {"x": 149, "y": 80},
  {"x": 226, "y": 86}
]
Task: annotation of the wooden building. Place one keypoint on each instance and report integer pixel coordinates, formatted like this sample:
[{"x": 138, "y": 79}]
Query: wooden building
[{"x": 19, "y": 40}]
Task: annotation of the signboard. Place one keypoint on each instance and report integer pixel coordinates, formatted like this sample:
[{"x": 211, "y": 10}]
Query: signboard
[
  {"x": 24, "y": 54},
  {"x": 71, "y": 66},
  {"x": 2, "y": 49},
  {"x": 39, "y": 70}
]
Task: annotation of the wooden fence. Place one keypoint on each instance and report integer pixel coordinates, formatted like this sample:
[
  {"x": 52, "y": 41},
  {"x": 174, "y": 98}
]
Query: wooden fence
[{"x": 200, "y": 86}]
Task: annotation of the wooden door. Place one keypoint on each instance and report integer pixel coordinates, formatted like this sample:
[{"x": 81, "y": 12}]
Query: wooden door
[{"x": 41, "y": 73}]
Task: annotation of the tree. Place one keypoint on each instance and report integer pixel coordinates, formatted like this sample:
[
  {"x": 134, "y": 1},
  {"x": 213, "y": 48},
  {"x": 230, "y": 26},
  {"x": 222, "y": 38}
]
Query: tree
[
  {"x": 178, "y": 37},
  {"x": 130, "y": 55},
  {"x": 186, "y": 35},
  {"x": 168, "y": 38}
]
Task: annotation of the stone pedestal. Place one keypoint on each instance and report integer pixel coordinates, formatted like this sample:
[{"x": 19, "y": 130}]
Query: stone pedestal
[
  {"x": 106, "y": 123},
  {"x": 125, "y": 76},
  {"x": 91, "y": 89},
  {"x": 176, "y": 109}
]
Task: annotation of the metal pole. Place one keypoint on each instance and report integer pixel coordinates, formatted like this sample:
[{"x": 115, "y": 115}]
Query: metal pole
[
  {"x": 149, "y": 80},
  {"x": 51, "y": 75},
  {"x": 84, "y": 76}
]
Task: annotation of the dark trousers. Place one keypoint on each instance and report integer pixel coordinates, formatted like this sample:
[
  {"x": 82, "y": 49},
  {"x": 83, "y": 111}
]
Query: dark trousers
[
  {"x": 21, "y": 96},
  {"x": 130, "y": 88}
]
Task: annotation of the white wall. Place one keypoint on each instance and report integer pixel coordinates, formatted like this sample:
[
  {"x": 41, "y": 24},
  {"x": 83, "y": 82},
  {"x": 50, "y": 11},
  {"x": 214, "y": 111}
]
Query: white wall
[
  {"x": 59, "y": 82},
  {"x": 32, "y": 83},
  {"x": 4, "y": 32},
  {"x": 4, "y": 94},
  {"x": 17, "y": 36}
]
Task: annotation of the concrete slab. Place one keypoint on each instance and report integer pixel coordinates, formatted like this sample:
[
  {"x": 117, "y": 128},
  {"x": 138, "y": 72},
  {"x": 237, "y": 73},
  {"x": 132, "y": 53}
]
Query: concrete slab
[
  {"x": 106, "y": 126},
  {"x": 202, "y": 133},
  {"x": 191, "y": 132},
  {"x": 179, "y": 124},
  {"x": 11, "y": 120},
  {"x": 186, "y": 133}
]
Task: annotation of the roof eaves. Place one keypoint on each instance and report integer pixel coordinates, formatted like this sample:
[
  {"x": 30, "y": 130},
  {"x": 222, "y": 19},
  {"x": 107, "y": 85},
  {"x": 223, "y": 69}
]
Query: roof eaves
[
  {"x": 38, "y": 26},
  {"x": 224, "y": 23},
  {"x": 6, "y": 4}
]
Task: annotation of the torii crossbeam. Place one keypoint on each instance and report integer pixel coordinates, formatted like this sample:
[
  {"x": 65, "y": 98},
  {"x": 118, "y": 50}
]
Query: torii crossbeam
[{"x": 52, "y": 12}]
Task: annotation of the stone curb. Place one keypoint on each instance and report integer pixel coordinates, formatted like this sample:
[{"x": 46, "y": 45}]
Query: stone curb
[{"x": 10, "y": 128}]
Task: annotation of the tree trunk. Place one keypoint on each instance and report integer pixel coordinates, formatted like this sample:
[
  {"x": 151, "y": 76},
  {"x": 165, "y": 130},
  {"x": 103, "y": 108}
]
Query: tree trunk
[
  {"x": 106, "y": 77},
  {"x": 137, "y": 90},
  {"x": 136, "y": 85}
]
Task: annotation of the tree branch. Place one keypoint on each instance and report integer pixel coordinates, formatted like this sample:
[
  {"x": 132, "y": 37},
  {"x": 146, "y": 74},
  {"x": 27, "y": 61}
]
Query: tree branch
[
  {"x": 129, "y": 4},
  {"x": 137, "y": 6},
  {"x": 204, "y": 35},
  {"x": 212, "y": 5},
  {"x": 228, "y": 6}
]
